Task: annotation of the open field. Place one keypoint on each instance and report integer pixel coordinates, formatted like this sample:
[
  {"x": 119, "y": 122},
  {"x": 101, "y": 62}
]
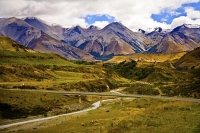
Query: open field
[
  {"x": 33, "y": 58},
  {"x": 136, "y": 115},
  {"x": 16, "y": 105}
]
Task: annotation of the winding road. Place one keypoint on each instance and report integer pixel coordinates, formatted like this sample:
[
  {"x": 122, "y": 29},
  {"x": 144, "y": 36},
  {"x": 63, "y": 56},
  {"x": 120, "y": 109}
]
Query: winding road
[
  {"x": 95, "y": 105},
  {"x": 113, "y": 93}
]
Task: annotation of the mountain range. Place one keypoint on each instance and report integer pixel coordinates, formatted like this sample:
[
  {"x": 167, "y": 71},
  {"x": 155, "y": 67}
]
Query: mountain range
[{"x": 93, "y": 43}]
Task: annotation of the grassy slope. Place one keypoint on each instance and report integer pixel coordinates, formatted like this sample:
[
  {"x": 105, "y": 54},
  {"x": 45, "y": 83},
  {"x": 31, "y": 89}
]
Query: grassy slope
[
  {"x": 169, "y": 81},
  {"x": 24, "y": 68},
  {"x": 12, "y": 57},
  {"x": 46, "y": 71},
  {"x": 139, "y": 115},
  {"x": 14, "y": 53},
  {"x": 165, "y": 79},
  {"x": 22, "y": 104},
  {"x": 190, "y": 60},
  {"x": 10, "y": 45},
  {"x": 19, "y": 65},
  {"x": 148, "y": 57}
]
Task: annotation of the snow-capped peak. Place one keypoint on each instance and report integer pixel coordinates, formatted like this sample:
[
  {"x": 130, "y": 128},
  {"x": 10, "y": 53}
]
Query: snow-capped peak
[
  {"x": 141, "y": 31},
  {"x": 192, "y": 25},
  {"x": 158, "y": 29},
  {"x": 38, "y": 19},
  {"x": 92, "y": 27},
  {"x": 2, "y": 19},
  {"x": 28, "y": 18}
]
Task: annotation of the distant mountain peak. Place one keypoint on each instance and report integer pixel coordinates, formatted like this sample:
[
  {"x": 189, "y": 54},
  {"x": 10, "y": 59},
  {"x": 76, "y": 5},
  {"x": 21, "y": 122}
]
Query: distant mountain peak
[
  {"x": 158, "y": 29},
  {"x": 92, "y": 27},
  {"x": 12, "y": 18},
  {"x": 29, "y": 18},
  {"x": 115, "y": 26},
  {"x": 183, "y": 26},
  {"x": 113, "y": 39},
  {"x": 141, "y": 31},
  {"x": 77, "y": 29},
  {"x": 180, "y": 28},
  {"x": 192, "y": 25},
  {"x": 2, "y": 19}
]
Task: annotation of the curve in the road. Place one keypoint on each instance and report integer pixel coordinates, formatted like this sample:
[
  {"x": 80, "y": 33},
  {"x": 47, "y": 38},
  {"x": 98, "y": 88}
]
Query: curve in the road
[{"x": 95, "y": 105}]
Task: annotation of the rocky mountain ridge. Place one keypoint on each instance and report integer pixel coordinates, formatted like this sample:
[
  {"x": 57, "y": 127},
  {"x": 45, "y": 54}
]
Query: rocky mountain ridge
[
  {"x": 37, "y": 39},
  {"x": 92, "y": 42}
]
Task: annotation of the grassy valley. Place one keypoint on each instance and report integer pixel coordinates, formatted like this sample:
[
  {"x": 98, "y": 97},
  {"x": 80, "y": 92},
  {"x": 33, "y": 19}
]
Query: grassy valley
[
  {"x": 136, "y": 115},
  {"x": 175, "y": 75},
  {"x": 178, "y": 77},
  {"x": 22, "y": 68}
]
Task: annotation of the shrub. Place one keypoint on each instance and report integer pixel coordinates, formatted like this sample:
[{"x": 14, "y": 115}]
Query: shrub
[
  {"x": 129, "y": 70},
  {"x": 142, "y": 89}
]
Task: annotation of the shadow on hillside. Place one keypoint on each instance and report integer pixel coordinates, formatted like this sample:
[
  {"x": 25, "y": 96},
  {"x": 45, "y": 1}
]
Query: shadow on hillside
[{"x": 197, "y": 129}]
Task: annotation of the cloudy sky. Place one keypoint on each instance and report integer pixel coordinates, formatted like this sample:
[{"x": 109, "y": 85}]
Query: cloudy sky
[{"x": 133, "y": 14}]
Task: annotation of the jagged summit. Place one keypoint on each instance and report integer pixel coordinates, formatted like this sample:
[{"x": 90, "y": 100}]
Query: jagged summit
[
  {"x": 141, "y": 31},
  {"x": 158, "y": 29},
  {"x": 180, "y": 28},
  {"x": 77, "y": 29},
  {"x": 92, "y": 27},
  {"x": 192, "y": 25},
  {"x": 114, "y": 26},
  {"x": 113, "y": 39}
]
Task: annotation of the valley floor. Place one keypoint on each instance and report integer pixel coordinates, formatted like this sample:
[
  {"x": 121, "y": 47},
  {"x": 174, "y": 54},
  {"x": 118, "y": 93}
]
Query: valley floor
[{"x": 135, "y": 115}]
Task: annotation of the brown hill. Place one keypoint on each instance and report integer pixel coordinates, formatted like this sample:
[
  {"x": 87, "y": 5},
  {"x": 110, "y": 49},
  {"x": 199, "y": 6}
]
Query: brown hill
[
  {"x": 191, "y": 60},
  {"x": 145, "y": 57}
]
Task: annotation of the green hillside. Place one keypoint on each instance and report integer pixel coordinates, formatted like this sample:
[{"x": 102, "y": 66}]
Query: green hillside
[
  {"x": 10, "y": 45},
  {"x": 19, "y": 65},
  {"x": 33, "y": 58},
  {"x": 13, "y": 53},
  {"x": 22, "y": 68},
  {"x": 191, "y": 60},
  {"x": 161, "y": 78},
  {"x": 147, "y": 57}
]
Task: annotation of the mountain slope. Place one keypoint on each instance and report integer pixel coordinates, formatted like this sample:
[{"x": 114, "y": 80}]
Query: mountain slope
[
  {"x": 38, "y": 40},
  {"x": 7, "y": 44},
  {"x": 191, "y": 60},
  {"x": 113, "y": 39},
  {"x": 54, "y": 31},
  {"x": 48, "y": 44},
  {"x": 12, "y": 52},
  {"x": 182, "y": 38},
  {"x": 86, "y": 43}
]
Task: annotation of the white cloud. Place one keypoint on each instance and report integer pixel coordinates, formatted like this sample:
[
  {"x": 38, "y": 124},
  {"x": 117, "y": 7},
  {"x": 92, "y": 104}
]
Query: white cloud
[
  {"x": 174, "y": 13},
  {"x": 191, "y": 13},
  {"x": 131, "y": 13},
  {"x": 101, "y": 24},
  {"x": 183, "y": 20},
  {"x": 192, "y": 17},
  {"x": 163, "y": 19}
]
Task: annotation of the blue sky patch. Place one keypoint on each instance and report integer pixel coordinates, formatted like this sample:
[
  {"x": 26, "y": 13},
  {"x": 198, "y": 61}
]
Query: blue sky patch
[
  {"x": 168, "y": 15},
  {"x": 196, "y": 6},
  {"x": 90, "y": 19}
]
